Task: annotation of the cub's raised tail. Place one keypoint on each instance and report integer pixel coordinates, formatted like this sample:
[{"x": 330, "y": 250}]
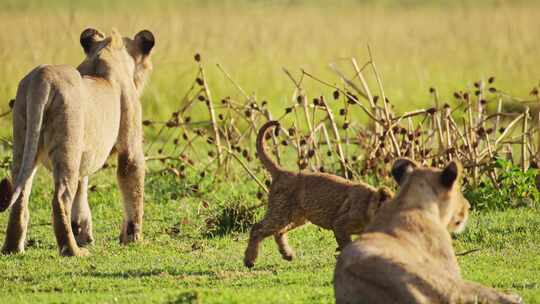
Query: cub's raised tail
[{"x": 267, "y": 162}]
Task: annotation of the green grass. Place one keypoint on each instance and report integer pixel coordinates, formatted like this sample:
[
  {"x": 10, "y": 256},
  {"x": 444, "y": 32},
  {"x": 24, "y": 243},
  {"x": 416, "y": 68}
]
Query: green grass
[{"x": 177, "y": 262}]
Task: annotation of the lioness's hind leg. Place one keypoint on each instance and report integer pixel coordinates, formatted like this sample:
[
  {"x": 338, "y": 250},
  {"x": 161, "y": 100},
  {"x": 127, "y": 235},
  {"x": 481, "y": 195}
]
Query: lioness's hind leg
[
  {"x": 19, "y": 214},
  {"x": 81, "y": 216},
  {"x": 130, "y": 175},
  {"x": 18, "y": 221}
]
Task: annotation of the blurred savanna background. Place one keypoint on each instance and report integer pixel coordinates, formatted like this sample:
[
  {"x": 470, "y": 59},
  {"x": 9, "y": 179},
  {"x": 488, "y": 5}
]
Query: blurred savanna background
[
  {"x": 198, "y": 210},
  {"x": 417, "y": 43}
]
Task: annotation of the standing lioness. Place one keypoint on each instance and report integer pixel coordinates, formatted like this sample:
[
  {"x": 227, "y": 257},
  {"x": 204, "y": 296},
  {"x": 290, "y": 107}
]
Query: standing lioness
[
  {"x": 70, "y": 123},
  {"x": 406, "y": 253}
]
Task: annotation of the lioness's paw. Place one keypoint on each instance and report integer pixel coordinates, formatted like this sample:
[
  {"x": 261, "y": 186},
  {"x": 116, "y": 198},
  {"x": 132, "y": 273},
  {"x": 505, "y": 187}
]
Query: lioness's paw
[
  {"x": 130, "y": 233},
  {"x": 75, "y": 252},
  {"x": 10, "y": 251},
  {"x": 84, "y": 240}
]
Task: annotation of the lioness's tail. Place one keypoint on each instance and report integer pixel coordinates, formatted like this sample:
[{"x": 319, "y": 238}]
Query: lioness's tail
[
  {"x": 36, "y": 100},
  {"x": 268, "y": 163}
]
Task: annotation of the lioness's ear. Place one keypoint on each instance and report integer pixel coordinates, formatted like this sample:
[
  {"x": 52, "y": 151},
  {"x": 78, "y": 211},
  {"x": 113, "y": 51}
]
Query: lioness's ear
[
  {"x": 451, "y": 173},
  {"x": 145, "y": 41},
  {"x": 401, "y": 168},
  {"x": 88, "y": 37}
]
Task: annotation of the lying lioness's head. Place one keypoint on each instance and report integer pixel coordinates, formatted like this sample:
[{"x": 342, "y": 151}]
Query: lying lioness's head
[
  {"x": 131, "y": 56},
  {"x": 434, "y": 189}
]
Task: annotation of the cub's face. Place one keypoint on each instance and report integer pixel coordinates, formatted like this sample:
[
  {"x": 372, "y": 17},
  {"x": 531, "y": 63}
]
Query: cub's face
[
  {"x": 436, "y": 189},
  {"x": 378, "y": 200}
]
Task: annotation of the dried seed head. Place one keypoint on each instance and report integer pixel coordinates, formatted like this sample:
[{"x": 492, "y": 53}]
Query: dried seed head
[
  {"x": 534, "y": 92},
  {"x": 491, "y": 79},
  {"x": 221, "y": 117},
  {"x": 182, "y": 168},
  {"x": 302, "y": 165},
  {"x": 160, "y": 151},
  {"x": 457, "y": 95},
  {"x": 403, "y": 131},
  {"x": 224, "y": 101},
  {"x": 501, "y": 130},
  {"x": 288, "y": 110},
  {"x": 351, "y": 98},
  {"x": 328, "y": 153},
  {"x": 245, "y": 153},
  {"x": 483, "y": 101},
  {"x": 354, "y": 158},
  {"x": 197, "y": 57},
  {"x": 259, "y": 195},
  {"x": 284, "y": 142},
  {"x": 292, "y": 131},
  {"x": 11, "y": 103},
  {"x": 321, "y": 169},
  {"x": 466, "y": 96},
  {"x": 175, "y": 141},
  {"x": 477, "y": 92},
  {"x": 202, "y": 174},
  {"x": 336, "y": 94},
  {"x": 276, "y": 131},
  {"x": 311, "y": 153},
  {"x": 211, "y": 153},
  {"x": 199, "y": 81},
  {"x": 303, "y": 142},
  {"x": 410, "y": 136},
  {"x": 477, "y": 84},
  {"x": 346, "y": 125},
  {"x": 147, "y": 122},
  {"x": 431, "y": 111},
  {"x": 342, "y": 112},
  {"x": 171, "y": 124},
  {"x": 299, "y": 99},
  {"x": 378, "y": 153},
  {"x": 432, "y": 90},
  {"x": 254, "y": 105},
  {"x": 387, "y": 159},
  {"x": 489, "y": 130},
  {"x": 267, "y": 183},
  {"x": 201, "y": 98},
  {"x": 492, "y": 90},
  {"x": 264, "y": 103},
  {"x": 210, "y": 140},
  {"x": 247, "y": 113},
  {"x": 375, "y": 99},
  {"x": 446, "y": 106},
  {"x": 187, "y": 119},
  {"x": 316, "y": 102}
]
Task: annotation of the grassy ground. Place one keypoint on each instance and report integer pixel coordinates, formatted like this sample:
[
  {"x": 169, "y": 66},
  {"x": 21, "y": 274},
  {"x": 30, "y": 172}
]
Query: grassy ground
[{"x": 179, "y": 263}]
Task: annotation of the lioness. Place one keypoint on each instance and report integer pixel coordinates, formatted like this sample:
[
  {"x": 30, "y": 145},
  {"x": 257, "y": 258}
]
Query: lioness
[
  {"x": 70, "y": 123},
  {"x": 405, "y": 255},
  {"x": 326, "y": 200}
]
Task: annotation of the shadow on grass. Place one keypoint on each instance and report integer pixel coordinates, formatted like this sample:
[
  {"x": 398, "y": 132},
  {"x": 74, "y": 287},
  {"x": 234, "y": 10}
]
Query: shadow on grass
[{"x": 147, "y": 273}]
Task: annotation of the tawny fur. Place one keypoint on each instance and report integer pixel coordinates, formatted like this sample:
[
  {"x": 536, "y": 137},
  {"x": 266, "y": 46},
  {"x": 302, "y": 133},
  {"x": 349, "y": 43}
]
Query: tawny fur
[
  {"x": 69, "y": 120},
  {"x": 405, "y": 254},
  {"x": 326, "y": 200}
]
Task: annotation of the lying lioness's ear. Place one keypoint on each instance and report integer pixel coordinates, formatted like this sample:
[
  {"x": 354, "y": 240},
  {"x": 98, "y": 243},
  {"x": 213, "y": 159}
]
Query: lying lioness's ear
[
  {"x": 450, "y": 174},
  {"x": 145, "y": 41},
  {"x": 401, "y": 168},
  {"x": 90, "y": 36},
  {"x": 385, "y": 194}
]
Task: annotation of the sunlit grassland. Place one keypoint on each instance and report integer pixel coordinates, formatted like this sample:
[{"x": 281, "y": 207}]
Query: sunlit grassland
[{"x": 416, "y": 46}]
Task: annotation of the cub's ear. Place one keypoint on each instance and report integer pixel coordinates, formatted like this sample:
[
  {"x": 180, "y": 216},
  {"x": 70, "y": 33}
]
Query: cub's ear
[
  {"x": 450, "y": 174},
  {"x": 145, "y": 41},
  {"x": 89, "y": 37},
  {"x": 401, "y": 168}
]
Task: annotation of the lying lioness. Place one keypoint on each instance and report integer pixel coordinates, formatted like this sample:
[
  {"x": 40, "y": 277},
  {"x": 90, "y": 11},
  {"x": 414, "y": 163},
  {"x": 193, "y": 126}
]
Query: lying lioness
[
  {"x": 405, "y": 255},
  {"x": 326, "y": 200},
  {"x": 70, "y": 123}
]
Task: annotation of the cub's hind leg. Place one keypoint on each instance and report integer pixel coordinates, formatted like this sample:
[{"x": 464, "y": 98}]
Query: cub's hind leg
[
  {"x": 81, "y": 216},
  {"x": 287, "y": 253},
  {"x": 277, "y": 218}
]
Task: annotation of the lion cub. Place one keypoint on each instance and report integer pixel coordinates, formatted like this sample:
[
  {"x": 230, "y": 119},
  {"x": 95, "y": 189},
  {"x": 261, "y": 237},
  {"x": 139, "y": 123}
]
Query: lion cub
[
  {"x": 326, "y": 200},
  {"x": 405, "y": 254}
]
